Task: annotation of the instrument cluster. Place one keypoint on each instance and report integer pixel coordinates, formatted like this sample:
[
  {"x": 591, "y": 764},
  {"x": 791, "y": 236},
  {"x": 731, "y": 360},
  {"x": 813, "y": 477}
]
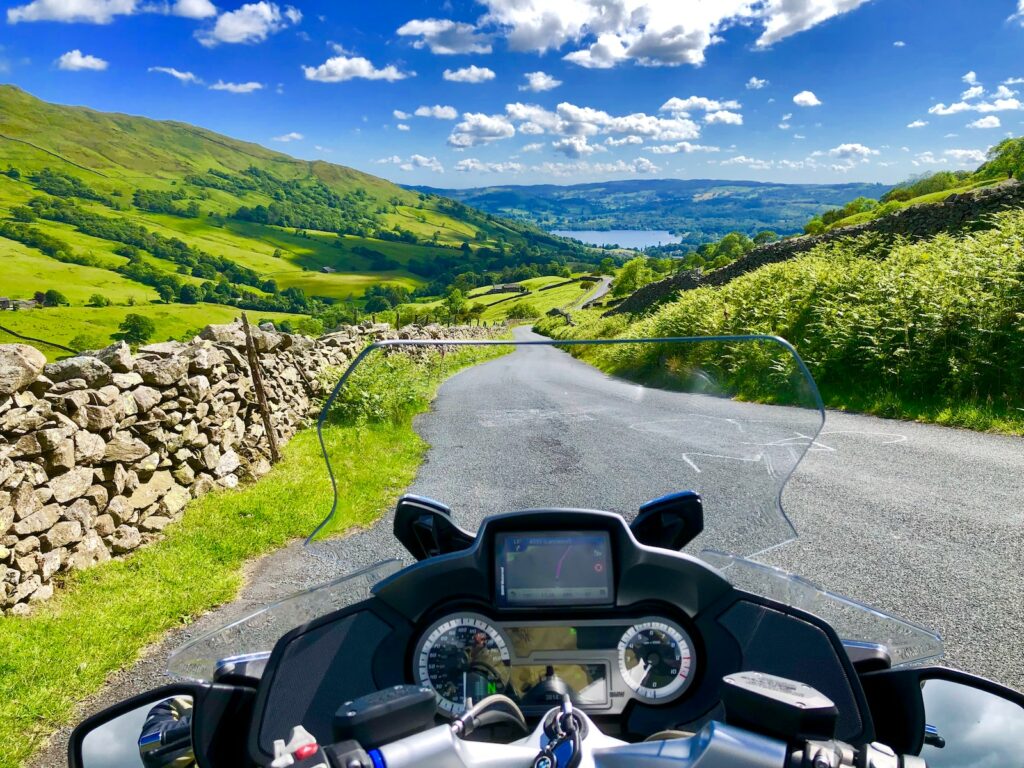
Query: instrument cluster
[{"x": 602, "y": 664}]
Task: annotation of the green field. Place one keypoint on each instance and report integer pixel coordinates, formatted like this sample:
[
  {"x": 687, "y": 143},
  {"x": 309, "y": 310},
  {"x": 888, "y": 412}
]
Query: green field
[
  {"x": 167, "y": 209},
  {"x": 173, "y": 321},
  {"x": 497, "y": 304}
]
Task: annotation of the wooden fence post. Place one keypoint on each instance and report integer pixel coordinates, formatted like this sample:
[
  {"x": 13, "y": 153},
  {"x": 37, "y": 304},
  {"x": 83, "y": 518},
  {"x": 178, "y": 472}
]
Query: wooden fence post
[{"x": 261, "y": 395}]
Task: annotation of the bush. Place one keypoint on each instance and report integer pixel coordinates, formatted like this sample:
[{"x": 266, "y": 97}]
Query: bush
[
  {"x": 522, "y": 310},
  {"x": 99, "y": 300},
  {"x": 137, "y": 329},
  {"x": 84, "y": 342}
]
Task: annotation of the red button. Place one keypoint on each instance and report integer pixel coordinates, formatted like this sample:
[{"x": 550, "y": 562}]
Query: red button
[{"x": 307, "y": 750}]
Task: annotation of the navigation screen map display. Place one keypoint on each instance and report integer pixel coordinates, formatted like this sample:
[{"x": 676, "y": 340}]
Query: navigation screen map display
[{"x": 538, "y": 569}]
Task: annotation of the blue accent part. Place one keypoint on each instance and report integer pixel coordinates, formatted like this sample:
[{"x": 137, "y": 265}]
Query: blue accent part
[{"x": 377, "y": 758}]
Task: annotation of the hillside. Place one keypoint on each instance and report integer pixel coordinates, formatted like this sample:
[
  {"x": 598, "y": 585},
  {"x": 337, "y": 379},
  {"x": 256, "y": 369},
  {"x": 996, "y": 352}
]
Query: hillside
[
  {"x": 699, "y": 210},
  {"x": 150, "y": 214}
]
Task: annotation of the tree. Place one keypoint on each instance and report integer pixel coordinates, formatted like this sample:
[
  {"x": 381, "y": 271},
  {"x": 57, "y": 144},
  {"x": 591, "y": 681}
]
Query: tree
[
  {"x": 1005, "y": 158},
  {"x": 54, "y": 298},
  {"x": 815, "y": 226},
  {"x": 607, "y": 265},
  {"x": 190, "y": 294},
  {"x": 166, "y": 292},
  {"x": 308, "y": 326},
  {"x": 23, "y": 213},
  {"x": 765, "y": 236},
  {"x": 377, "y": 304},
  {"x": 137, "y": 329},
  {"x": 85, "y": 341},
  {"x": 522, "y": 310},
  {"x": 634, "y": 274},
  {"x": 455, "y": 303},
  {"x": 98, "y": 300}
]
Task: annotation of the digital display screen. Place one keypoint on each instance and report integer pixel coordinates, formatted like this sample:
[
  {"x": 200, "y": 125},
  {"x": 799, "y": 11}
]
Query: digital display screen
[
  {"x": 544, "y": 569},
  {"x": 589, "y": 683}
]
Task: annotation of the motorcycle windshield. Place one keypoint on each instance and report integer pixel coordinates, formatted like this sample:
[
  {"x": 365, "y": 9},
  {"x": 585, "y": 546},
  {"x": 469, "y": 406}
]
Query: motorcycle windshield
[
  {"x": 533, "y": 423},
  {"x": 504, "y": 424}
]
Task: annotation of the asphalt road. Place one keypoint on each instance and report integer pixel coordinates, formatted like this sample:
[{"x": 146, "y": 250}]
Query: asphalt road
[{"x": 923, "y": 522}]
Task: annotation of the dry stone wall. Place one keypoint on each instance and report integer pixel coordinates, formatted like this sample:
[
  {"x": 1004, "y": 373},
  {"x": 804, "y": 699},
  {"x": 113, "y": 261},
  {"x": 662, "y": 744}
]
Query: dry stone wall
[{"x": 100, "y": 452}]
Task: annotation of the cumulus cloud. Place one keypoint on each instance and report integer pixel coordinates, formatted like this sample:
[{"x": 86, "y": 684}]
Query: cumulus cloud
[
  {"x": 995, "y": 105},
  {"x": 471, "y": 74},
  {"x": 749, "y": 162},
  {"x": 973, "y": 92},
  {"x": 193, "y": 9},
  {"x": 83, "y": 11},
  {"x": 421, "y": 161},
  {"x": 853, "y": 151},
  {"x": 338, "y": 69},
  {"x": 539, "y": 81},
  {"x": 248, "y": 87},
  {"x": 251, "y": 23},
  {"x": 640, "y": 165},
  {"x": 899, "y": 44},
  {"x": 624, "y": 141},
  {"x": 437, "y": 111},
  {"x": 917, "y": 124},
  {"x": 788, "y": 17},
  {"x": 445, "y": 37},
  {"x": 575, "y": 146},
  {"x": 177, "y": 74},
  {"x": 682, "y": 146},
  {"x": 535, "y": 146},
  {"x": 403, "y": 127},
  {"x": 971, "y": 78},
  {"x": 966, "y": 156},
  {"x": 723, "y": 116},
  {"x": 572, "y": 120},
  {"x": 679, "y": 106},
  {"x": 400, "y": 115},
  {"x": 76, "y": 61},
  {"x": 990, "y": 121},
  {"x": 647, "y": 32},
  {"x": 806, "y": 99},
  {"x": 293, "y": 136},
  {"x": 472, "y": 164},
  {"x": 477, "y": 128},
  {"x": 756, "y": 84}
]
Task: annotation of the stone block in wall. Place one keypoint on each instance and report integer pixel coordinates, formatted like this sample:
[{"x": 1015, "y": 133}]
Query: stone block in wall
[
  {"x": 125, "y": 539},
  {"x": 151, "y": 491},
  {"x": 40, "y": 520},
  {"x": 20, "y": 364},
  {"x": 93, "y": 371},
  {"x": 71, "y": 485},
  {"x": 118, "y": 356},
  {"x": 161, "y": 372}
]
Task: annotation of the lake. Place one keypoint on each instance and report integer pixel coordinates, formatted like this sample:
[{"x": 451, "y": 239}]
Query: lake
[{"x": 624, "y": 238}]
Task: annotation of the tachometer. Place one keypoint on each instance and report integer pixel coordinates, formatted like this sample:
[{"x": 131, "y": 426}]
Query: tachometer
[
  {"x": 462, "y": 657},
  {"x": 656, "y": 659}
]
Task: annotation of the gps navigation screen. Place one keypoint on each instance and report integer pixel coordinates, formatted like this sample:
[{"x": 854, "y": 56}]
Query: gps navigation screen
[{"x": 538, "y": 569}]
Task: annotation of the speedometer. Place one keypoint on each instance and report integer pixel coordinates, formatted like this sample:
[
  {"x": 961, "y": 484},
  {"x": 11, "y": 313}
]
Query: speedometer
[
  {"x": 460, "y": 657},
  {"x": 656, "y": 659}
]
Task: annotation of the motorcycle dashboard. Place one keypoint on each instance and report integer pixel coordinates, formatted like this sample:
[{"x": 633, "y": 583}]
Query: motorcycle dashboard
[{"x": 545, "y": 602}]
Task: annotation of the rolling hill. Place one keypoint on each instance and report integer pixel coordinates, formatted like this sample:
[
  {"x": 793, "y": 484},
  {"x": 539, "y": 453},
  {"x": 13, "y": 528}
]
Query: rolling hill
[
  {"x": 699, "y": 210},
  {"x": 156, "y": 214}
]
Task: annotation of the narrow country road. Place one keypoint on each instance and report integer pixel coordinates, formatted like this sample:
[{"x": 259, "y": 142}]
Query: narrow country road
[{"x": 923, "y": 522}]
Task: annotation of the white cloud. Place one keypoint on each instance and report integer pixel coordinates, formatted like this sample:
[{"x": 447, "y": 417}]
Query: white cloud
[
  {"x": 477, "y": 128},
  {"x": 403, "y": 127},
  {"x": 750, "y": 162},
  {"x": 248, "y": 87},
  {"x": 723, "y": 116},
  {"x": 293, "y": 136},
  {"x": 624, "y": 141},
  {"x": 682, "y": 146},
  {"x": 966, "y": 156},
  {"x": 787, "y": 17},
  {"x": 640, "y": 165},
  {"x": 85, "y": 11},
  {"x": 928, "y": 158},
  {"x": 421, "y": 161},
  {"x": 648, "y": 32},
  {"x": 445, "y": 37},
  {"x": 756, "y": 84},
  {"x": 177, "y": 74},
  {"x": 472, "y": 164},
  {"x": 338, "y": 69},
  {"x": 76, "y": 61},
  {"x": 400, "y": 115},
  {"x": 784, "y": 126},
  {"x": 1019, "y": 15},
  {"x": 989, "y": 121},
  {"x": 471, "y": 74},
  {"x": 438, "y": 111},
  {"x": 1002, "y": 92},
  {"x": 974, "y": 92},
  {"x": 679, "y": 106},
  {"x": 1014, "y": 81},
  {"x": 917, "y": 124},
  {"x": 251, "y": 23},
  {"x": 806, "y": 99},
  {"x": 995, "y": 105},
  {"x": 193, "y": 9},
  {"x": 971, "y": 78},
  {"x": 572, "y": 120},
  {"x": 539, "y": 81},
  {"x": 899, "y": 44},
  {"x": 853, "y": 151},
  {"x": 574, "y": 146},
  {"x": 536, "y": 146}
]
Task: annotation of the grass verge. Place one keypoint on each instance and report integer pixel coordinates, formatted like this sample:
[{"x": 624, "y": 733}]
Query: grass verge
[{"x": 102, "y": 618}]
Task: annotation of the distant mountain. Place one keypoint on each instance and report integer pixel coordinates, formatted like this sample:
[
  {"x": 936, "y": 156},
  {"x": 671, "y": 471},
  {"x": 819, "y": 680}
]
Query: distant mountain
[{"x": 700, "y": 210}]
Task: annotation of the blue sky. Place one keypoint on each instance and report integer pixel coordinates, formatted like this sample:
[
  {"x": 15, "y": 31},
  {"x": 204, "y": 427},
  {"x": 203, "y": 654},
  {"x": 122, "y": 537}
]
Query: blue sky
[{"x": 466, "y": 93}]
